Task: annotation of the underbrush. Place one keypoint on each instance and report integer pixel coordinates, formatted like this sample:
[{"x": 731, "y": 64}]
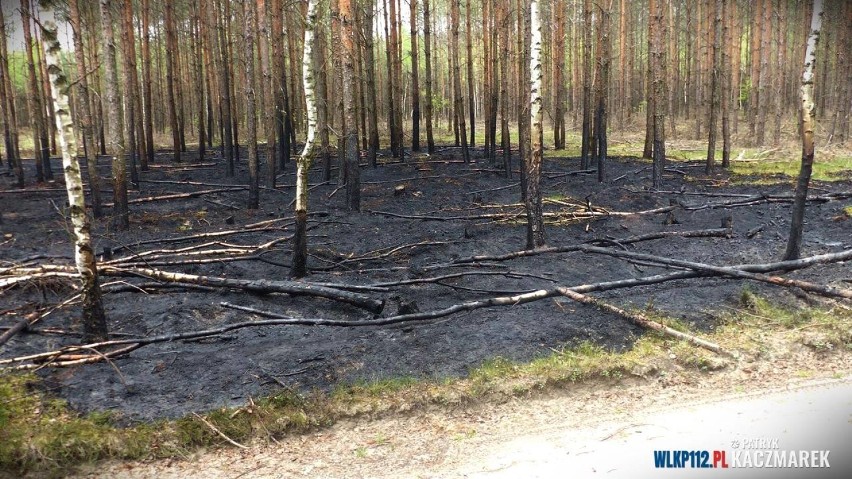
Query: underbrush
[{"x": 40, "y": 434}]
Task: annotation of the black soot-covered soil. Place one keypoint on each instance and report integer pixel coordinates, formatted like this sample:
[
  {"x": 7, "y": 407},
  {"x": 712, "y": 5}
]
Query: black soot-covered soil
[{"x": 381, "y": 245}]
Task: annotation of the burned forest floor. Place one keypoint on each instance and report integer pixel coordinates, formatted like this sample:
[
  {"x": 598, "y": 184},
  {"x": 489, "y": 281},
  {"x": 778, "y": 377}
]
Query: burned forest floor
[{"x": 419, "y": 218}]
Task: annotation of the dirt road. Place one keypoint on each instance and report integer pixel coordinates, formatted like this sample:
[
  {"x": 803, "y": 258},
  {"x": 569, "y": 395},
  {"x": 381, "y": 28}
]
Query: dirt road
[{"x": 586, "y": 432}]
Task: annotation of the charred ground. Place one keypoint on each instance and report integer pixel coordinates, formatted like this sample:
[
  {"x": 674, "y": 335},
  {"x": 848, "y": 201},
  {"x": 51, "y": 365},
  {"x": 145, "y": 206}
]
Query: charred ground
[{"x": 382, "y": 245}]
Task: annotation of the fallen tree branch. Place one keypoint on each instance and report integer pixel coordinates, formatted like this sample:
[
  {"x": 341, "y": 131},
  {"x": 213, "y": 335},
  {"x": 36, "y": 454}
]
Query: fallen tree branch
[
  {"x": 55, "y": 358},
  {"x": 176, "y": 196},
  {"x": 261, "y": 286},
  {"x": 708, "y": 233},
  {"x": 823, "y": 290},
  {"x": 644, "y": 322}
]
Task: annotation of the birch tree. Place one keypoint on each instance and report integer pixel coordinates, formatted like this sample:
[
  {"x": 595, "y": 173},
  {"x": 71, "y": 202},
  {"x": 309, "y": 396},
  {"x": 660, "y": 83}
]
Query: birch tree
[
  {"x": 94, "y": 320},
  {"x": 303, "y": 163},
  {"x": 794, "y": 242},
  {"x": 535, "y": 222}
]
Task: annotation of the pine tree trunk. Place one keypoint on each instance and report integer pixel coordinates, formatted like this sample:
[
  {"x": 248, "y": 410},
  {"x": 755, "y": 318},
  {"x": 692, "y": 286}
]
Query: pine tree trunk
[
  {"x": 726, "y": 94},
  {"x": 251, "y": 105},
  {"x": 321, "y": 99},
  {"x": 267, "y": 88},
  {"x": 586, "y": 145},
  {"x": 601, "y": 113},
  {"x": 171, "y": 80},
  {"x": 505, "y": 137},
  {"x": 353, "y": 170},
  {"x": 415, "y": 80},
  {"x": 794, "y": 242},
  {"x": 115, "y": 120},
  {"x": 148, "y": 115},
  {"x": 300, "y": 237},
  {"x": 427, "y": 40},
  {"x": 457, "y": 86},
  {"x": 216, "y": 34},
  {"x": 535, "y": 222},
  {"x": 40, "y": 145},
  {"x": 7, "y": 102},
  {"x": 658, "y": 68},
  {"x": 84, "y": 112},
  {"x": 94, "y": 320},
  {"x": 130, "y": 88},
  {"x": 714, "y": 93},
  {"x": 558, "y": 76},
  {"x": 198, "y": 81},
  {"x": 391, "y": 90},
  {"x": 471, "y": 104}
]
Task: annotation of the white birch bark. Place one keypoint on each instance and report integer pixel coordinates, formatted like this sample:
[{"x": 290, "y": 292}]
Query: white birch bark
[
  {"x": 303, "y": 163},
  {"x": 94, "y": 323}
]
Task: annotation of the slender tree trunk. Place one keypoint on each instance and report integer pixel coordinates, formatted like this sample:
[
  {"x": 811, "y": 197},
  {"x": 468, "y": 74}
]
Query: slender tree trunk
[
  {"x": 713, "y": 102},
  {"x": 94, "y": 319},
  {"x": 115, "y": 120},
  {"x": 471, "y": 105},
  {"x": 130, "y": 88},
  {"x": 282, "y": 102},
  {"x": 7, "y": 102},
  {"x": 558, "y": 76},
  {"x": 134, "y": 99},
  {"x": 198, "y": 81},
  {"x": 727, "y": 97},
  {"x": 147, "y": 113},
  {"x": 171, "y": 80},
  {"x": 392, "y": 104},
  {"x": 370, "y": 67},
  {"x": 415, "y": 81},
  {"x": 794, "y": 242},
  {"x": 457, "y": 87},
  {"x": 267, "y": 88},
  {"x": 765, "y": 50},
  {"x": 659, "y": 61},
  {"x": 251, "y": 105},
  {"x": 602, "y": 113},
  {"x": 217, "y": 40},
  {"x": 648, "y": 150},
  {"x": 505, "y": 137},
  {"x": 586, "y": 146},
  {"x": 427, "y": 33},
  {"x": 353, "y": 171},
  {"x": 321, "y": 100},
  {"x": 84, "y": 113},
  {"x": 300, "y": 237},
  {"x": 535, "y": 222},
  {"x": 40, "y": 145}
]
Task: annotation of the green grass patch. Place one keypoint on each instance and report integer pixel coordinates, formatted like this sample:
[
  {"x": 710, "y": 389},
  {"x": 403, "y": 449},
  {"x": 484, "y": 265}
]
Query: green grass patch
[{"x": 826, "y": 168}]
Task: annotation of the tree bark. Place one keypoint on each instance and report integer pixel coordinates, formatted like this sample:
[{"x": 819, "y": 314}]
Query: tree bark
[
  {"x": 130, "y": 88},
  {"x": 251, "y": 105},
  {"x": 147, "y": 113},
  {"x": 35, "y": 101},
  {"x": 415, "y": 80},
  {"x": 601, "y": 112},
  {"x": 300, "y": 238},
  {"x": 586, "y": 145},
  {"x": 353, "y": 170},
  {"x": 171, "y": 45},
  {"x": 659, "y": 62},
  {"x": 427, "y": 53},
  {"x": 457, "y": 86},
  {"x": 7, "y": 102},
  {"x": 94, "y": 320},
  {"x": 84, "y": 112},
  {"x": 535, "y": 221},
  {"x": 794, "y": 242},
  {"x": 370, "y": 67},
  {"x": 714, "y": 100},
  {"x": 115, "y": 120}
]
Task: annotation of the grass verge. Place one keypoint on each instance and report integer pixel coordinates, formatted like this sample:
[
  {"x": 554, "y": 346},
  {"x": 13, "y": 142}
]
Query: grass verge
[{"x": 40, "y": 434}]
